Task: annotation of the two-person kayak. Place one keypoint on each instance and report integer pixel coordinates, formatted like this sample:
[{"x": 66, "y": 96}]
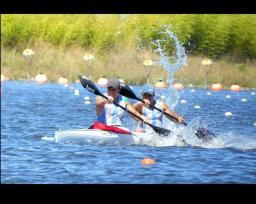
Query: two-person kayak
[{"x": 96, "y": 136}]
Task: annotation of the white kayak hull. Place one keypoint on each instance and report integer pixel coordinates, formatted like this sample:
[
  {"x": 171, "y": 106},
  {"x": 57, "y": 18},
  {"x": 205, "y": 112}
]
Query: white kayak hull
[{"x": 95, "y": 136}]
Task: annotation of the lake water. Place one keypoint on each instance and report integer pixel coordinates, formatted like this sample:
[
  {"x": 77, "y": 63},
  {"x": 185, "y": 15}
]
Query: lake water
[{"x": 31, "y": 113}]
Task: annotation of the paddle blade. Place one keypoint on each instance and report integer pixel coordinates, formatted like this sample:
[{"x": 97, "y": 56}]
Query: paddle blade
[
  {"x": 128, "y": 92},
  {"x": 160, "y": 131},
  {"x": 89, "y": 85},
  {"x": 204, "y": 134}
]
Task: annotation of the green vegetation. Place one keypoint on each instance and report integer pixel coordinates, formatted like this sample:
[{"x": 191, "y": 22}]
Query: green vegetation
[{"x": 121, "y": 43}]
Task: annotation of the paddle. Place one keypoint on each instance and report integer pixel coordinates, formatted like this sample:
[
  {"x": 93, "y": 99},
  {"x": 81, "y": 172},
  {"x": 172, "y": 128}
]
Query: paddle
[
  {"x": 90, "y": 86},
  {"x": 201, "y": 133}
]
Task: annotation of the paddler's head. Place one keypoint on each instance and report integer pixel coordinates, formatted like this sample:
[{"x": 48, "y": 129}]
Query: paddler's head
[
  {"x": 148, "y": 92},
  {"x": 113, "y": 87}
]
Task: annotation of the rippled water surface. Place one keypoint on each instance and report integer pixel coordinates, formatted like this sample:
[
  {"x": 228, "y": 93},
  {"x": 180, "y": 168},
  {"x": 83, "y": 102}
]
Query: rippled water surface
[{"x": 30, "y": 112}]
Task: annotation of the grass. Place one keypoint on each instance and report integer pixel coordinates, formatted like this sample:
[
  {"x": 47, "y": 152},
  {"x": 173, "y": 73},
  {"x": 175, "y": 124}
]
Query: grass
[{"x": 122, "y": 62}]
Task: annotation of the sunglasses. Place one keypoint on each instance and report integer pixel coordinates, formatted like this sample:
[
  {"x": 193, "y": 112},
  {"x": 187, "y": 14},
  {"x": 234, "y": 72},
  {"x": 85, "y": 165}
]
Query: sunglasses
[{"x": 111, "y": 89}]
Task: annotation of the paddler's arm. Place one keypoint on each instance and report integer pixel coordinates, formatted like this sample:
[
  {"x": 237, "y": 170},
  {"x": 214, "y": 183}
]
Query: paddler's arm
[
  {"x": 138, "y": 106},
  {"x": 136, "y": 111},
  {"x": 166, "y": 109},
  {"x": 100, "y": 103}
]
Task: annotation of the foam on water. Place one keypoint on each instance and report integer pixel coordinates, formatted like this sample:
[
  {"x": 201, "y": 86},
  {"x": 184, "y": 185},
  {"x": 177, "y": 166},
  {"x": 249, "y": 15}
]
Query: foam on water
[
  {"x": 48, "y": 138},
  {"x": 186, "y": 137}
]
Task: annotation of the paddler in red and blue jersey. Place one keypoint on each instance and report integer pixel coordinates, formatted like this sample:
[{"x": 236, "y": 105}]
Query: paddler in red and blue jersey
[{"x": 110, "y": 114}]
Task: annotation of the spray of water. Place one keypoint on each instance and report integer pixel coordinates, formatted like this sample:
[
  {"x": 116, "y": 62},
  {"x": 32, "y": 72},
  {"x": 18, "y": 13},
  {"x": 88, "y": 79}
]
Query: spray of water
[{"x": 172, "y": 97}]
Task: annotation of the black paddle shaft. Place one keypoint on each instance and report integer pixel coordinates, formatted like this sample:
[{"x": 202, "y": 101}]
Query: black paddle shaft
[{"x": 89, "y": 86}]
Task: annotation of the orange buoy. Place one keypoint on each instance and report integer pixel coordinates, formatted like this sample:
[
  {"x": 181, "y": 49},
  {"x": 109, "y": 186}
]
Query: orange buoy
[
  {"x": 102, "y": 81},
  {"x": 178, "y": 86},
  {"x": 63, "y": 80},
  {"x": 160, "y": 84},
  {"x": 147, "y": 161},
  {"x": 235, "y": 87},
  {"x": 216, "y": 87},
  {"x": 41, "y": 78}
]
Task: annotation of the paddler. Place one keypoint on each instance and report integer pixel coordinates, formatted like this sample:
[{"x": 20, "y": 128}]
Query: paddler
[
  {"x": 110, "y": 114},
  {"x": 155, "y": 117}
]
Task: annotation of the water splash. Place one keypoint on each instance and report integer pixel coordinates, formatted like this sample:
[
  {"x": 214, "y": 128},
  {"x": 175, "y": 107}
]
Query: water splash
[{"x": 172, "y": 97}]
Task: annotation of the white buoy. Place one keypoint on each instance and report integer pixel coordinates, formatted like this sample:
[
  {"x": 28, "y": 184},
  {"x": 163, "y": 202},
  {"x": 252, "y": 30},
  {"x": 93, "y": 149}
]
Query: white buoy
[
  {"x": 66, "y": 85},
  {"x": 71, "y": 88},
  {"x": 2, "y": 78},
  {"x": 197, "y": 107},
  {"x": 87, "y": 98},
  {"x": 235, "y": 87},
  {"x": 41, "y": 79},
  {"x": 87, "y": 102},
  {"x": 244, "y": 99},
  {"x": 183, "y": 101},
  {"x": 62, "y": 80},
  {"x": 228, "y": 114},
  {"x": 253, "y": 93},
  {"x": 193, "y": 90},
  {"x": 178, "y": 86},
  {"x": 228, "y": 96},
  {"x": 208, "y": 93},
  {"x": 121, "y": 81},
  {"x": 255, "y": 124},
  {"x": 76, "y": 92},
  {"x": 102, "y": 81}
]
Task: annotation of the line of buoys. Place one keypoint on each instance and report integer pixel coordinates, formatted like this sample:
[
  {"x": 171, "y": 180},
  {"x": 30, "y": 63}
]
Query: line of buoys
[
  {"x": 235, "y": 87},
  {"x": 178, "y": 86},
  {"x": 216, "y": 87},
  {"x": 41, "y": 78},
  {"x": 63, "y": 80}
]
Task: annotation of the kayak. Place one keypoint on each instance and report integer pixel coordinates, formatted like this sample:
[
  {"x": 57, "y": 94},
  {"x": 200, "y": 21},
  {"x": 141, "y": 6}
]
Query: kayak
[{"x": 96, "y": 136}]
